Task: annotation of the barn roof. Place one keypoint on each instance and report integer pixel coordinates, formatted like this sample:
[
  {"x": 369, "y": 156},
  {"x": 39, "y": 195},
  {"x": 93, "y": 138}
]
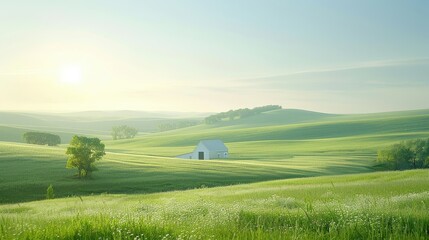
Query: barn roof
[{"x": 214, "y": 145}]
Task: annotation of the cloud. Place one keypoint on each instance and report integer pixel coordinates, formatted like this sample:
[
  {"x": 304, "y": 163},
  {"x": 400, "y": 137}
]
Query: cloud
[{"x": 357, "y": 77}]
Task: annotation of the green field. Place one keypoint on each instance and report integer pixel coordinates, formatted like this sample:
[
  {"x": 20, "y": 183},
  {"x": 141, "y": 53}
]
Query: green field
[
  {"x": 141, "y": 188},
  {"x": 390, "y": 205}
]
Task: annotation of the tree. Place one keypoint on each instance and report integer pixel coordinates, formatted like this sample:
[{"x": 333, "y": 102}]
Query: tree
[
  {"x": 396, "y": 156},
  {"x": 42, "y": 138},
  {"x": 83, "y": 153},
  {"x": 405, "y": 155},
  {"x": 123, "y": 131},
  {"x": 420, "y": 149}
]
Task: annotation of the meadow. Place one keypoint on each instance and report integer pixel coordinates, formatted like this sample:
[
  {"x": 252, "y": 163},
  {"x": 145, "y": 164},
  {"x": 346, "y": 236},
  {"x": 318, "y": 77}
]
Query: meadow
[
  {"x": 291, "y": 174},
  {"x": 385, "y": 205}
]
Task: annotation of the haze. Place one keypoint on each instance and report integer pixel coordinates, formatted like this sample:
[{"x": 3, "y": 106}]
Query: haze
[{"x": 328, "y": 56}]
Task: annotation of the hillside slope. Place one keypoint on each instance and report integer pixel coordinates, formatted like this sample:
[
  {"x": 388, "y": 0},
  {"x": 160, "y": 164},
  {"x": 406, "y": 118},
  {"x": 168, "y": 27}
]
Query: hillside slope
[
  {"x": 388, "y": 205},
  {"x": 335, "y": 145},
  {"x": 346, "y": 132},
  {"x": 276, "y": 117},
  {"x": 15, "y": 134},
  {"x": 27, "y": 170},
  {"x": 97, "y": 124}
]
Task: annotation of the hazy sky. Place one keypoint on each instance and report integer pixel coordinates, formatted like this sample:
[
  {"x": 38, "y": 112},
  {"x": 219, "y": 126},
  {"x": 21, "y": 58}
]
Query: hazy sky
[{"x": 330, "y": 56}]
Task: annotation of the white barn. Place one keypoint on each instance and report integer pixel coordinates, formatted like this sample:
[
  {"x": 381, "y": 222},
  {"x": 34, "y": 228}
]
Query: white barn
[{"x": 207, "y": 149}]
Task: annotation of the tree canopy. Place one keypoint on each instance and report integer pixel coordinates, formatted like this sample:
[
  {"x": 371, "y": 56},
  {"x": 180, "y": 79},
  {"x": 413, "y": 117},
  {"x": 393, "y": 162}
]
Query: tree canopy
[
  {"x": 42, "y": 138},
  {"x": 239, "y": 113},
  {"x": 406, "y": 155},
  {"x": 123, "y": 132},
  {"x": 83, "y": 153}
]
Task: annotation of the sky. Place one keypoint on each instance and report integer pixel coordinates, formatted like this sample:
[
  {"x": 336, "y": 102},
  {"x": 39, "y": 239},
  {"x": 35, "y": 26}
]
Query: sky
[{"x": 335, "y": 56}]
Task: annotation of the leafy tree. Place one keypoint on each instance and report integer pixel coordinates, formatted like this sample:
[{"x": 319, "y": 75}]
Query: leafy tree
[
  {"x": 42, "y": 138},
  {"x": 123, "y": 131},
  {"x": 405, "y": 155},
  {"x": 50, "y": 192},
  {"x": 239, "y": 113},
  {"x": 420, "y": 149},
  {"x": 83, "y": 153}
]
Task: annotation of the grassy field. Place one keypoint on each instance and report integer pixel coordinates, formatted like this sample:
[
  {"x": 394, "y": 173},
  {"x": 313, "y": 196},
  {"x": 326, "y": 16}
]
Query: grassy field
[
  {"x": 28, "y": 170},
  {"x": 362, "y": 206},
  {"x": 343, "y": 133},
  {"x": 331, "y": 146},
  {"x": 385, "y": 205}
]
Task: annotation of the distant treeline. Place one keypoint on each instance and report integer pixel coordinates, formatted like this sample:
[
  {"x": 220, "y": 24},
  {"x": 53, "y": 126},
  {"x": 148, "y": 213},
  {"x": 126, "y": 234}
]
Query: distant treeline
[
  {"x": 239, "y": 113},
  {"x": 123, "y": 132},
  {"x": 42, "y": 138},
  {"x": 166, "y": 126}
]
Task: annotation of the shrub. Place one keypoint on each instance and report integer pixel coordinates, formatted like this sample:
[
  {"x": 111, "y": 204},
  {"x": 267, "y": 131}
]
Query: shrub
[{"x": 50, "y": 192}]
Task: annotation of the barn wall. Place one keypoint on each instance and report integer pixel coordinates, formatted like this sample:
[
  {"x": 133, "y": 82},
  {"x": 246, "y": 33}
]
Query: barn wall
[
  {"x": 218, "y": 155},
  {"x": 201, "y": 148},
  {"x": 207, "y": 154}
]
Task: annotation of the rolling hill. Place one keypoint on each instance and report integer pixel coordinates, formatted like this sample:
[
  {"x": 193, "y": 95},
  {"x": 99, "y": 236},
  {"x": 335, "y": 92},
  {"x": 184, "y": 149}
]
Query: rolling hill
[
  {"x": 365, "y": 132},
  {"x": 330, "y": 146},
  {"x": 276, "y": 117},
  {"x": 142, "y": 191},
  {"x": 99, "y": 124}
]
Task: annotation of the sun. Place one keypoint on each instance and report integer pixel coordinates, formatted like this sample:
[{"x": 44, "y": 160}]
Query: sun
[{"x": 71, "y": 74}]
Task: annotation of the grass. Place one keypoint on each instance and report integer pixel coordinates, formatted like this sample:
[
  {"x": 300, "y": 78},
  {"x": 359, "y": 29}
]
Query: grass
[
  {"x": 332, "y": 146},
  {"x": 390, "y": 205},
  {"x": 343, "y": 131},
  {"x": 37, "y": 167},
  {"x": 143, "y": 192}
]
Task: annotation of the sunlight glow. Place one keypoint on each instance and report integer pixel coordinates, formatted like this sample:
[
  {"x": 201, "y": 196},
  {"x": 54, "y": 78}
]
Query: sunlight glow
[{"x": 71, "y": 74}]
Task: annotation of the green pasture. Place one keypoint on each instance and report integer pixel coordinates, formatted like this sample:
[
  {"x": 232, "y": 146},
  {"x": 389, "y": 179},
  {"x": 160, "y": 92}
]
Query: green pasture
[
  {"x": 383, "y": 205},
  {"x": 331, "y": 146},
  {"x": 341, "y": 130},
  {"x": 27, "y": 171},
  {"x": 322, "y": 165}
]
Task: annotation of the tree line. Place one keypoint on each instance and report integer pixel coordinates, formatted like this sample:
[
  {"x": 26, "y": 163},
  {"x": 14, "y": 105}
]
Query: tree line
[
  {"x": 406, "y": 155},
  {"x": 41, "y": 138},
  {"x": 239, "y": 113}
]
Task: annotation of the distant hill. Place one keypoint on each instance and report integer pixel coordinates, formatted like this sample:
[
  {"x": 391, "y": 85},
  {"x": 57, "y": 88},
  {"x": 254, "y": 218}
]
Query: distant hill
[
  {"x": 277, "y": 117},
  {"x": 99, "y": 123},
  {"x": 126, "y": 114},
  {"x": 95, "y": 123},
  {"x": 14, "y": 134},
  {"x": 282, "y": 124},
  {"x": 288, "y": 126},
  {"x": 241, "y": 113}
]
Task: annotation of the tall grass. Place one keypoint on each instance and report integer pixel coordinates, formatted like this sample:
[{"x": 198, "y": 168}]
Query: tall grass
[{"x": 364, "y": 206}]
